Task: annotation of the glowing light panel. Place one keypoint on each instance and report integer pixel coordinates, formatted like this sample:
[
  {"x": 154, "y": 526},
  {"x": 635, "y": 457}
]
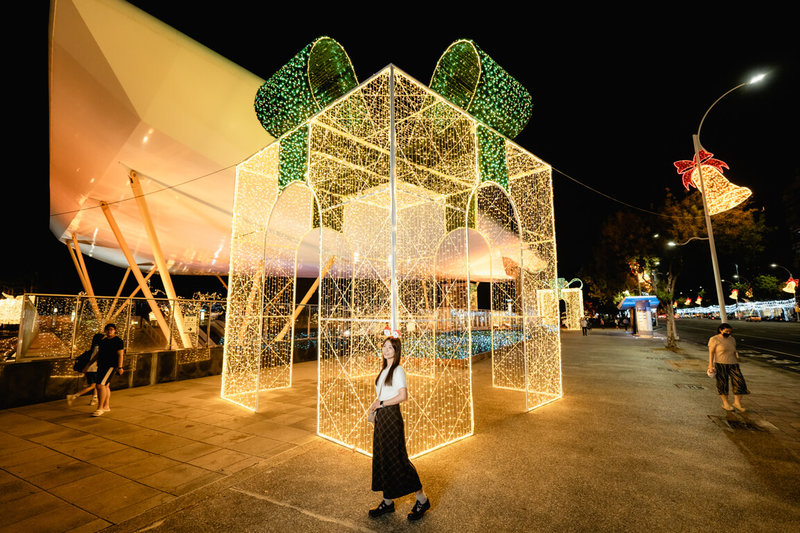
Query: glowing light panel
[
  {"x": 446, "y": 220},
  {"x": 721, "y": 194}
]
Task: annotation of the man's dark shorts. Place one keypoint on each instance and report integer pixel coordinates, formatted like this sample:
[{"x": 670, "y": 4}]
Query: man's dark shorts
[{"x": 91, "y": 377}]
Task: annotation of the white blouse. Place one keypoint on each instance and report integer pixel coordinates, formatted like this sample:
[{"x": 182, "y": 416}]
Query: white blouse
[{"x": 393, "y": 388}]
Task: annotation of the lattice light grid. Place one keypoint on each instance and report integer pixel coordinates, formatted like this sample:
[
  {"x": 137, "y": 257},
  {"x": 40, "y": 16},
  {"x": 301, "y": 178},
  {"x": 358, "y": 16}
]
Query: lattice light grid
[
  {"x": 573, "y": 299},
  {"x": 441, "y": 212}
]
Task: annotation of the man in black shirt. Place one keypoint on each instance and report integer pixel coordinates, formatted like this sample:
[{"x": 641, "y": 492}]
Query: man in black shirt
[{"x": 109, "y": 360}]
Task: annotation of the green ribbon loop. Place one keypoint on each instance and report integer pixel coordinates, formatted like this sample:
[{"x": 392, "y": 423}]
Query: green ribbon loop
[
  {"x": 319, "y": 74},
  {"x": 473, "y": 81}
]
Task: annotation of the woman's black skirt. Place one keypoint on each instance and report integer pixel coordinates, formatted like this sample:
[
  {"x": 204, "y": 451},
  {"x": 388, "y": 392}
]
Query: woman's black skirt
[{"x": 392, "y": 472}]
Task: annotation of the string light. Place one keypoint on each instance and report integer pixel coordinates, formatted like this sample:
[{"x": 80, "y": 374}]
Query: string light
[
  {"x": 573, "y": 299},
  {"x": 293, "y": 156},
  {"x": 786, "y": 306},
  {"x": 459, "y": 185},
  {"x": 791, "y": 285},
  {"x": 10, "y": 309},
  {"x": 320, "y": 73},
  {"x": 492, "y": 157},
  {"x": 67, "y": 323},
  {"x": 473, "y": 81},
  {"x": 721, "y": 194}
]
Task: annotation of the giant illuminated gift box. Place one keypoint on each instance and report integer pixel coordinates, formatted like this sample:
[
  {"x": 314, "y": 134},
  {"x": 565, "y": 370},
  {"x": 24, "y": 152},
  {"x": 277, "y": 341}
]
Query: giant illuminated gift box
[
  {"x": 573, "y": 301},
  {"x": 403, "y": 195}
]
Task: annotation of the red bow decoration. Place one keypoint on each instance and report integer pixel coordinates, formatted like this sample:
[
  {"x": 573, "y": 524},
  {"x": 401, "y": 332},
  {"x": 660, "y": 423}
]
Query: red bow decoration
[
  {"x": 389, "y": 333},
  {"x": 685, "y": 168}
]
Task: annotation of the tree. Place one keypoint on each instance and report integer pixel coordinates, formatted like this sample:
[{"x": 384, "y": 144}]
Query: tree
[
  {"x": 633, "y": 252},
  {"x": 766, "y": 287}
]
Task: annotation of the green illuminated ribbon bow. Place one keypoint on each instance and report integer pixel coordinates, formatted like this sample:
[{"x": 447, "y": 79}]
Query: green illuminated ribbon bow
[
  {"x": 465, "y": 75},
  {"x": 561, "y": 284},
  {"x": 473, "y": 81},
  {"x": 319, "y": 74}
]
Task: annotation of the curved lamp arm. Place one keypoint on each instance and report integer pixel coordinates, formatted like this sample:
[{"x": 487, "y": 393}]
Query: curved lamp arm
[
  {"x": 715, "y": 103},
  {"x": 672, "y": 243}
]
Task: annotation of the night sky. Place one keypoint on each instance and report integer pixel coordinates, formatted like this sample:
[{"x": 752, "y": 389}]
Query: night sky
[{"x": 617, "y": 96}]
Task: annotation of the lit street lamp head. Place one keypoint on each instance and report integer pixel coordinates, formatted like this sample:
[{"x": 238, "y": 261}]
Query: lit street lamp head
[{"x": 757, "y": 78}]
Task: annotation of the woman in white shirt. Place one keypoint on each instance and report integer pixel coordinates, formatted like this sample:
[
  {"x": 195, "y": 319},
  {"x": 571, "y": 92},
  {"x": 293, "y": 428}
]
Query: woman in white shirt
[{"x": 392, "y": 472}]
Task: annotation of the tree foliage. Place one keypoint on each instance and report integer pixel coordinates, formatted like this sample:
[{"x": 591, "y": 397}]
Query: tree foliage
[{"x": 633, "y": 253}]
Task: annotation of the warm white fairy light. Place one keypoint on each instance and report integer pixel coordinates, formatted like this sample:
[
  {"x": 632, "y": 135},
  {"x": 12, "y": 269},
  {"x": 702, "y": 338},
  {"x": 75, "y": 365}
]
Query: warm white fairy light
[
  {"x": 10, "y": 309},
  {"x": 745, "y": 308},
  {"x": 62, "y": 326},
  {"x": 442, "y": 210},
  {"x": 573, "y": 300}
]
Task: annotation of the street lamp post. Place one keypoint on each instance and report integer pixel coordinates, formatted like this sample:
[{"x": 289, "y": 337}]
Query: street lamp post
[
  {"x": 776, "y": 265},
  {"x": 697, "y": 147}
]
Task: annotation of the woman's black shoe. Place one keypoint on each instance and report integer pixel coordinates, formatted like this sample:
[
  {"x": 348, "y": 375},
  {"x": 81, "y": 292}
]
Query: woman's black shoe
[
  {"x": 419, "y": 510},
  {"x": 381, "y": 510}
]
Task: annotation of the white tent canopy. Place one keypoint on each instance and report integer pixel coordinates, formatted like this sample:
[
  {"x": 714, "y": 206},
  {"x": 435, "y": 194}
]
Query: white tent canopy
[{"x": 129, "y": 92}]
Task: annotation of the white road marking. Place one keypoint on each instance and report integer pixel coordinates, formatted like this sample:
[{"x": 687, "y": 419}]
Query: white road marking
[
  {"x": 770, "y": 339},
  {"x": 348, "y": 525},
  {"x": 769, "y": 350}
]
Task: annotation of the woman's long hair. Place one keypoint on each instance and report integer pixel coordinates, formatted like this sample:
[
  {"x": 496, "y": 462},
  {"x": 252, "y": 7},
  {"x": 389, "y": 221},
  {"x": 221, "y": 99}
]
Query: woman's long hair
[{"x": 395, "y": 362}]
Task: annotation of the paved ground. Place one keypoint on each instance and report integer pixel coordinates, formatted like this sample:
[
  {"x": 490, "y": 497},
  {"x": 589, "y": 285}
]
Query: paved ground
[{"x": 638, "y": 443}]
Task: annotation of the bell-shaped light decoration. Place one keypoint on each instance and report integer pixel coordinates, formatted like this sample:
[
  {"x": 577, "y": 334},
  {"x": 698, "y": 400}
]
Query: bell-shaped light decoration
[
  {"x": 721, "y": 194},
  {"x": 791, "y": 285}
]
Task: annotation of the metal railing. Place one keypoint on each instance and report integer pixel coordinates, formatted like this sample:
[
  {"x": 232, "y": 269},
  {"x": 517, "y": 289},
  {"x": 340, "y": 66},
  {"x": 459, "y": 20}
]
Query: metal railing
[{"x": 57, "y": 326}]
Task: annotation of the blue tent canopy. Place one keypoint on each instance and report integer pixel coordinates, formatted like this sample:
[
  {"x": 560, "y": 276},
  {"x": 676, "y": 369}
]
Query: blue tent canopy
[{"x": 630, "y": 302}]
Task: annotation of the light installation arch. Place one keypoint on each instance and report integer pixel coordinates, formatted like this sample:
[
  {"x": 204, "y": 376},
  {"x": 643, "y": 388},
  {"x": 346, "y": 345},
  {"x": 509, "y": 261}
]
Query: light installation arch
[
  {"x": 496, "y": 219},
  {"x": 400, "y": 181},
  {"x": 259, "y": 333},
  {"x": 573, "y": 307},
  {"x": 561, "y": 289}
]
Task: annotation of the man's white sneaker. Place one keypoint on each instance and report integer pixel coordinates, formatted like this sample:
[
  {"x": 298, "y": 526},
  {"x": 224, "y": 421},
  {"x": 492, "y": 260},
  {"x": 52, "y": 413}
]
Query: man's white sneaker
[
  {"x": 71, "y": 398},
  {"x": 99, "y": 412}
]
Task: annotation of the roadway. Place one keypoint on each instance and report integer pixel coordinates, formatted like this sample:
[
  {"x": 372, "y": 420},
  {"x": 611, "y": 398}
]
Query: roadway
[{"x": 777, "y": 343}]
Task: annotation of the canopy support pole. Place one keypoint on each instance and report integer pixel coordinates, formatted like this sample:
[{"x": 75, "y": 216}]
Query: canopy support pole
[
  {"x": 155, "y": 246},
  {"x": 123, "y": 245}
]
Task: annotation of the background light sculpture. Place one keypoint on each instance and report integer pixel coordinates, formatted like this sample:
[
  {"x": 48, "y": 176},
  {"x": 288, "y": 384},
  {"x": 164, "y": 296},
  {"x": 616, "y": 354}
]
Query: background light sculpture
[
  {"x": 406, "y": 199},
  {"x": 721, "y": 194},
  {"x": 573, "y": 301},
  {"x": 791, "y": 285}
]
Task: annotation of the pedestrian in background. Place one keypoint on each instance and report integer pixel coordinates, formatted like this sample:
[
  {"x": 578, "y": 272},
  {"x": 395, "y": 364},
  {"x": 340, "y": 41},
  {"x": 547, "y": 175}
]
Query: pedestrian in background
[
  {"x": 723, "y": 359},
  {"x": 584, "y": 326},
  {"x": 109, "y": 361}
]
